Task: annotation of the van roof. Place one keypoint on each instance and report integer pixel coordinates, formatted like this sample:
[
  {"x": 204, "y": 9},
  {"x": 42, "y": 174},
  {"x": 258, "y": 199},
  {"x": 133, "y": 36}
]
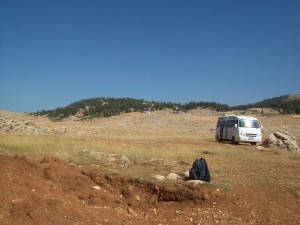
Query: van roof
[{"x": 236, "y": 117}]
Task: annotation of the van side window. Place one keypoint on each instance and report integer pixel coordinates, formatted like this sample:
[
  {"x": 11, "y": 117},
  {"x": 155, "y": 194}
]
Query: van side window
[
  {"x": 228, "y": 123},
  {"x": 231, "y": 123}
]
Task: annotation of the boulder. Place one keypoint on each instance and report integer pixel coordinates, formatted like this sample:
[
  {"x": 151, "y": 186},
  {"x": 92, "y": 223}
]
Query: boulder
[
  {"x": 270, "y": 141},
  {"x": 283, "y": 140},
  {"x": 291, "y": 145},
  {"x": 283, "y": 135}
]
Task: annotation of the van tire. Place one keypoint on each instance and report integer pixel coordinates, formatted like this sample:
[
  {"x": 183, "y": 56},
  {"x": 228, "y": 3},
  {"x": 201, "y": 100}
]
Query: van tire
[
  {"x": 253, "y": 143},
  {"x": 233, "y": 141}
]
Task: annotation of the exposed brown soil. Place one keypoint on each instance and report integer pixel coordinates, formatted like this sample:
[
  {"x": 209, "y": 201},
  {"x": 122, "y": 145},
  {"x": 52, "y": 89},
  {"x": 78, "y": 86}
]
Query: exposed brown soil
[{"x": 52, "y": 192}]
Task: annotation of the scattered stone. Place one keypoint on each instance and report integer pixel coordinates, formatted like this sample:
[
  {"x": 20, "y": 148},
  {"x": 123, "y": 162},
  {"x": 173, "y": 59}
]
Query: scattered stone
[
  {"x": 187, "y": 173},
  {"x": 154, "y": 211},
  {"x": 173, "y": 176},
  {"x": 261, "y": 148},
  {"x": 11, "y": 126},
  {"x": 158, "y": 177},
  {"x": 97, "y": 187},
  {"x": 196, "y": 182},
  {"x": 111, "y": 160},
  {"x": 124, "y": 160}
]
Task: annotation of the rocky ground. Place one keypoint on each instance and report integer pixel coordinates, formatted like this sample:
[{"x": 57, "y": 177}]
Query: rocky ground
[{"x": 261, "y": 189}]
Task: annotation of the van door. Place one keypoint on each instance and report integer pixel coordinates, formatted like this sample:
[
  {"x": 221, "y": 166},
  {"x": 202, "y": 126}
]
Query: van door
[
  {"x": 228, "y": 130},
  {"x": 223, "y": 130},
  {"x": 231, "y": 129}
]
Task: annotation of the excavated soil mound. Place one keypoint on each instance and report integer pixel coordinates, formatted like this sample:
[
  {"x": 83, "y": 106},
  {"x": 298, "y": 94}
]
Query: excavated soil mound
[{"x": 52, "y": 192}]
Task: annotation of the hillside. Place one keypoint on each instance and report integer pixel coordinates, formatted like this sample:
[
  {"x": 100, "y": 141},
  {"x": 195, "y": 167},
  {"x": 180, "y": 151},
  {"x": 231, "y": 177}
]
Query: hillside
[
  {"x": 286, "y": 104},
  {"x": 106, "y": 107}
]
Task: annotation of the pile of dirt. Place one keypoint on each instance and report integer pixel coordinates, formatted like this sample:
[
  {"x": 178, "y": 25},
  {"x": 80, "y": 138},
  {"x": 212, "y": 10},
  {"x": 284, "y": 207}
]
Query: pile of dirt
[{"x": 52, "y": 192}]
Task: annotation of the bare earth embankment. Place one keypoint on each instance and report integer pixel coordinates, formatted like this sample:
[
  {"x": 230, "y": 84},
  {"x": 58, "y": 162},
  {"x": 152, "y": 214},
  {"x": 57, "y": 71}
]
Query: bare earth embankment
[{"x": 101, "y": 172}]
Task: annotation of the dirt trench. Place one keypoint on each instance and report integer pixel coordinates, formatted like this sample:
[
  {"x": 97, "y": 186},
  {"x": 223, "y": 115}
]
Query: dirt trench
[{"x": 52, "y": 192}]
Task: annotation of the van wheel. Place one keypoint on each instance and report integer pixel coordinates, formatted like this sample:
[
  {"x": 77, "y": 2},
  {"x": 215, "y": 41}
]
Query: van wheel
[
  {"x": 253, "y": 143},
  {"x": 233, "y": 141}
]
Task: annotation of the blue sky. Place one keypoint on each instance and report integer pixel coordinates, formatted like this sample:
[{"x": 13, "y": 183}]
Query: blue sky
[{"x": 56, "y": 52}]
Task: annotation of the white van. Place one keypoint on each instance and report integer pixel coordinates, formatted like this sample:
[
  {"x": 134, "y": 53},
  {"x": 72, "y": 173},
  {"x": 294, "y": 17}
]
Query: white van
[{"x": 238, "y": 129}]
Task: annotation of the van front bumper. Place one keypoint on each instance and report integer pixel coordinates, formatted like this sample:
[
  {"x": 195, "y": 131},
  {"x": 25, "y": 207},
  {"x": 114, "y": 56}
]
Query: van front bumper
[{"x": 249, "y": 139}]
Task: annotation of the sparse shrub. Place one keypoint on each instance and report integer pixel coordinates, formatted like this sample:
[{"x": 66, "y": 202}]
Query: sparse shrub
[{"x": 206, "y": 152}]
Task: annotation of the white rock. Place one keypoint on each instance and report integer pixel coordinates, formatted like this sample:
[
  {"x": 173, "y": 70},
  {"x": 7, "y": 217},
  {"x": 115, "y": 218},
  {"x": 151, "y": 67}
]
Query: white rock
[
  {"x": 158, "y": 177},
  {"x": 124, "y": 160},
  {"x": 112, "y": 160},
  {"x": 260, "y": 148},
  {"x": 173, "y": 176},
  {"x": 196, "y": 182},
  {"x": 187, "y": 173}
]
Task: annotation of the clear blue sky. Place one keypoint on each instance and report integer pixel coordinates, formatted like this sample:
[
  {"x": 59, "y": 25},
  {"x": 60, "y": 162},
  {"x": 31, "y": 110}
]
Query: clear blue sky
[{"x": 55, "y": 52}]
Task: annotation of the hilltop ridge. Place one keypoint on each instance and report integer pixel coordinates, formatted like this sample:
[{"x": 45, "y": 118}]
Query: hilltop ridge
[{"x": 106, "y": 107}]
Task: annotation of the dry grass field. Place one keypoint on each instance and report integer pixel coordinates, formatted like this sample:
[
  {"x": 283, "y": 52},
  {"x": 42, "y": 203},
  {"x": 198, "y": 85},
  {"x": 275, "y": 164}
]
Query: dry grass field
[{"x": 248, "y": 186}]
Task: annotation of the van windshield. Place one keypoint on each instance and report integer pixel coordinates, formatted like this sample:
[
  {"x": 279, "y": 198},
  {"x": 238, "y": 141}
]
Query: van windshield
[{"x": 249, "y": 123}]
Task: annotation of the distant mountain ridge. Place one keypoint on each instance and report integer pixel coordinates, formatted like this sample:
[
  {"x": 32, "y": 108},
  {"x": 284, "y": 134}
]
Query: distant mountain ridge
[{"x": 105, "y": 107}]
